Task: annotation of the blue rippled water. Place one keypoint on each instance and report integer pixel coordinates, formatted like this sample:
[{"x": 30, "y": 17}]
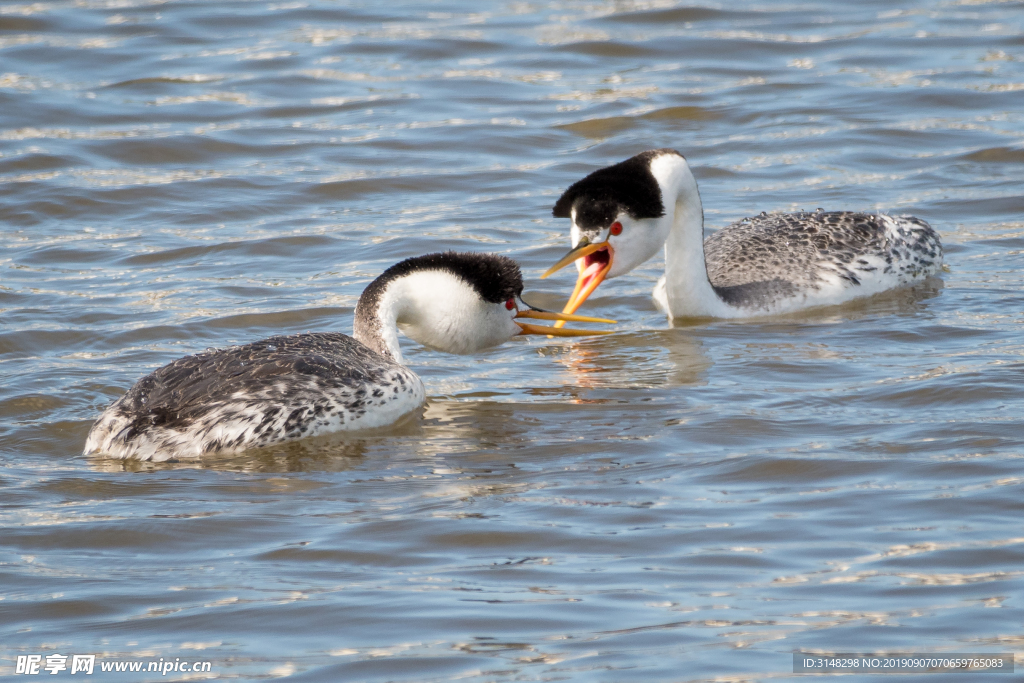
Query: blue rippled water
[{"x": 669, "y": 503}]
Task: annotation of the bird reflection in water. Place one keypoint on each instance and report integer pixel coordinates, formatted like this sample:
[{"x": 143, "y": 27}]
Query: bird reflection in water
[{"x": 648, "y": 359}]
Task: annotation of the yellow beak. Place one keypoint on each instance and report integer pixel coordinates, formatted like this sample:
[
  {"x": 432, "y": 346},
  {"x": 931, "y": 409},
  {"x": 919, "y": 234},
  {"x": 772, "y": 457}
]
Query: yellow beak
[
  {"x": 584, "y": 248},
  {"x": 589, "y": 277},
  {"x": 562, "y": 318}
]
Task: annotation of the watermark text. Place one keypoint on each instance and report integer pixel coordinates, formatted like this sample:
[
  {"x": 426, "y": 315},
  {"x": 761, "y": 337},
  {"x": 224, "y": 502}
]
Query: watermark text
[
  {"x": 915, "y": 662},
  {"x": 56, "y": 663}
]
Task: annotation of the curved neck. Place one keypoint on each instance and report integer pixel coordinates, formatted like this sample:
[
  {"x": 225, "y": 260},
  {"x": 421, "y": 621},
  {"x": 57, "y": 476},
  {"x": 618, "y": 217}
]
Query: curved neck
[
  {"x": 688, "y": 290},
  {"x": 376, "y": 321},
  {"x": 432, "y": 306}
]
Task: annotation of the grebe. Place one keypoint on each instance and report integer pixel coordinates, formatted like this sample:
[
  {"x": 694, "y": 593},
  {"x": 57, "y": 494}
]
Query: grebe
[
  {"x": 289, "y": 387},
  {"x": 768, "y": 264}
]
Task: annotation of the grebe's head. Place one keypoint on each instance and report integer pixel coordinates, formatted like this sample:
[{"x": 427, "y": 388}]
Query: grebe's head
[
  {"x": 458, "y": 302},
  {"x": 618, "y": 218}
]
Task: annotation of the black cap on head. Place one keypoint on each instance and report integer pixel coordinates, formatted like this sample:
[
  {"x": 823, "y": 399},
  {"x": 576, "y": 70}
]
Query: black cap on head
[
  {"x": 495, "y": 278},
  {"x": 626, "y": 186}
]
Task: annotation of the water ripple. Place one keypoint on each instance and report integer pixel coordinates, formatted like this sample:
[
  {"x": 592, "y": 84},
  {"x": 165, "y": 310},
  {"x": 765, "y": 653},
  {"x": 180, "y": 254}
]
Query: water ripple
[{"x": 695, "y": 501}]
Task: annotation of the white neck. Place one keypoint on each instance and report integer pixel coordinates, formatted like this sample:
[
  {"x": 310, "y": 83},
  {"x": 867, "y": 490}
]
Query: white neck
[
  {"x": 377, "y": 325},
  {"x": 435, "y": 308},
  {"x": 688, "y": 291}
]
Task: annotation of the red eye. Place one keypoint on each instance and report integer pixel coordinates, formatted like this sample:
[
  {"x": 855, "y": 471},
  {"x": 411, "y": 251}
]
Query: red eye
[
  {"x": 510, "y": 304},
  {"x": 616, "y": 228}
]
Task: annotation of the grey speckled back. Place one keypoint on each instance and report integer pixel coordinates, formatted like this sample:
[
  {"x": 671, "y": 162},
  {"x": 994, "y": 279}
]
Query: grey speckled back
[{"x": 761, "y": 259}]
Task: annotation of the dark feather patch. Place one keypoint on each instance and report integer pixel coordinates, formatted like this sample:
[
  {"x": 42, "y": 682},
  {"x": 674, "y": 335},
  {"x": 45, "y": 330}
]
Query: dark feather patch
[
  {"x": 185, "y": 391},
  {"x": 494, "y": 277},
  {"x": 767, "y": 258},
  {"x": 626, "y": 186}
]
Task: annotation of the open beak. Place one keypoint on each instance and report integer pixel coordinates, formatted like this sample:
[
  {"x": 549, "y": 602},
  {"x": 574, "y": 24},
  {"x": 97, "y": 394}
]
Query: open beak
[
  {"x": 531, "y": 312},
  {"x": 594, "y": 268}
]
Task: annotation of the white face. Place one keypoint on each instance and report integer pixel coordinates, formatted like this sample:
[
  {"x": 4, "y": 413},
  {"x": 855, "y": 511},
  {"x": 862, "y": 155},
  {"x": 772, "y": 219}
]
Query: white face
[
  {"x": 637, "y": 241},
  {"x": 640, "y": 240},
  {"x": 444, "y": 313}
]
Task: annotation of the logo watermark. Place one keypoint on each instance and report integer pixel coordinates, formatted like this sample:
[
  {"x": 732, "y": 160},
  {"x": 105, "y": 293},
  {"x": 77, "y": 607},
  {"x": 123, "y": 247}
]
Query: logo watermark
[{"x": 31, "y": 665}]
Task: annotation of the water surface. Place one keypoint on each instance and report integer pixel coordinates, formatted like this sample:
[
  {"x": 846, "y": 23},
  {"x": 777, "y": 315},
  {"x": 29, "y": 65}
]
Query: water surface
[{"x": 687, "y": 503}]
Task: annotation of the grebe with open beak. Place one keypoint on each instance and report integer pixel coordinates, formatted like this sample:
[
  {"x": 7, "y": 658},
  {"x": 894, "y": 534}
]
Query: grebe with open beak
[
  {"x": 768, "y": 264},
  {"x": 290, "y": 387}
]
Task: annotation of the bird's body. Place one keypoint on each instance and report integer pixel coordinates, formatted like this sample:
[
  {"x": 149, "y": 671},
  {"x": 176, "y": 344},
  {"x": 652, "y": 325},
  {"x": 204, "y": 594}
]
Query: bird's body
[
  {"x": 768, "y": 264},
  {"x": 289, "y": 387},
  {"x": 781, "y": 262},
  {"x": 255, "y": 395}
]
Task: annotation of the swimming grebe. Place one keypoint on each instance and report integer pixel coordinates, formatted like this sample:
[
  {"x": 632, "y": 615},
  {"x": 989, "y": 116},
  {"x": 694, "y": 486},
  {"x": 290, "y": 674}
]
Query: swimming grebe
[
  {"x": 772, "y": 263},
  {"x": 289, "y": 387}
]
